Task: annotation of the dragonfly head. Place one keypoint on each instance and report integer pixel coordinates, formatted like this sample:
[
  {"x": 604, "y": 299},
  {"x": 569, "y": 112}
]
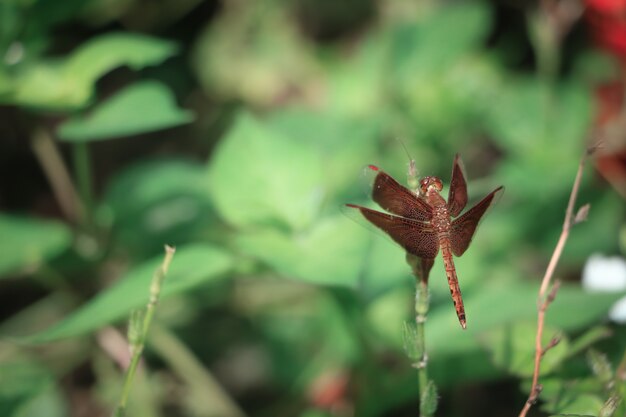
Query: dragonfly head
[{"x": 430, "y": 183}]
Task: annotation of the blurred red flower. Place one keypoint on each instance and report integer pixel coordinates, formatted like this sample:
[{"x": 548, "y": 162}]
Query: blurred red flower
[
  {"x": 607, "y": 19},
  {"x": 607, "y": 22},
  {"x": 606, "y": 6},
  {"x": 329, "y": 389}
]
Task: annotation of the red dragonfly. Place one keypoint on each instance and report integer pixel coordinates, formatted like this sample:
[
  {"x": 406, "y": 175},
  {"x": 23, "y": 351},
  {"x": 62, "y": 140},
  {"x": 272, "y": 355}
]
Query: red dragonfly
[{"x": 421, "y": 221}]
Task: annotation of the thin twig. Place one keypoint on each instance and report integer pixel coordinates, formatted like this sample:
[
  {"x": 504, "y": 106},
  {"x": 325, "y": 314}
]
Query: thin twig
[{"x": 544, "y": 301}]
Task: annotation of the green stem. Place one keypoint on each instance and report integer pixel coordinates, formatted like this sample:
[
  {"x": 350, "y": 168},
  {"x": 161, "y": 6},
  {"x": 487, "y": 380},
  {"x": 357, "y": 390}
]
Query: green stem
[
  {"x": 82, "y": 171},
  {"x": 545, "y": 38},
  {"x": 421, "y": 312},
  {"x": 137, "y": 342},
  {"x": 546, "y": 42},
  {"x": 427, "y": 388},
  {"x": 130, "y": 375}
]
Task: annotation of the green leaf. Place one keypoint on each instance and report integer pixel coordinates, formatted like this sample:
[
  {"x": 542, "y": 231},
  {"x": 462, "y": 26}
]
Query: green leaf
[
  {"x": 610, "y": 406},
  {"x": 513, "y": 348},
  {"x": 356, "y": 84},
  {"x": 532, "y": 122},
  {"x": 576, "y": 397},
  {"x": 429, "y": 400},
  {"x": 100, "y": 55},
  {"x": 546, "y": 110},
  {"x": 584, "y": 405},
  {"x": 385, "y": 266},
  {"x": 157, "y": 201},
  {"x": 565, "y": 313},
  {"x": 409, "y": 337},
  {"x": 600, "y": 366},
  {"x": 441, "y": 38},
  {"x": 147, "y": 183},
  {"x": 345, "y": 144},
  {"x": 329, "y": 253},
  {"x": 590, "y": 236},
  {"x": 140, "y": 108},
  {"x": 256, "y": 54},
  {"x": 49, "y": 403},
  {"x": 258, "y": 177},
  {"x": 193, "y": 265},
  {"x": 386, "y": 315},
  {"x": 438, "y": 77},
  {"x": 506, "y": 302},
  {"x": 27, "y": 242},
  {"x": 496, "y": 300},
  {"x": 69, "y": 83},
  {"x": 588, "y": 338},
  {"x": 27, "y": 389},
  {"x": 594, "y": 66}
]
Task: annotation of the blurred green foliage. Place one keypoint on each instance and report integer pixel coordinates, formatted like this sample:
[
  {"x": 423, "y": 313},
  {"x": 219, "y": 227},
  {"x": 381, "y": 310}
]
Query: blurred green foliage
[{"x": 242, "y": 128}]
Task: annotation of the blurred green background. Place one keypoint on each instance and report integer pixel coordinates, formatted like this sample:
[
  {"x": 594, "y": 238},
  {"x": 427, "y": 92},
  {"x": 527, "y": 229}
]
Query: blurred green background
[{"x": 236, "y": 131}]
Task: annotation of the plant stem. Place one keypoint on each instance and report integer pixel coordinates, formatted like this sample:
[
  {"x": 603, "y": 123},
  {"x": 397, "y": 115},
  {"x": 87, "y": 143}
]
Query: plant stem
[
  {"x": 137, "y": 343},
  {"x": 544, "y": 299},
  {"x": 421, "y": 311},
  {"x": 427, "y": 389},
  {"x": 82, "y": 171},
  {"x": 57, "y": 174}
]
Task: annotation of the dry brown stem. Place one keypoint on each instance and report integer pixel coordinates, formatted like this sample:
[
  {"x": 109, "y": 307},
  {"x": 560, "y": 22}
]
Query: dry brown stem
[{"x": 543, "y": 299}]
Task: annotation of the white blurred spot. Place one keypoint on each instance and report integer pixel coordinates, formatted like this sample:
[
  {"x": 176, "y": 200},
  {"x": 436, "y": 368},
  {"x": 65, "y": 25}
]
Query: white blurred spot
[
  {"x": 607, "y": 274},
  {"x": 618, "y": 311},
  {"x": 604, "y": 273}
]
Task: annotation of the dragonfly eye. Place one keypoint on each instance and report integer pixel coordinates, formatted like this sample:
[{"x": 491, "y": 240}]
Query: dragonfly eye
[
  {"x": 424, "y": 184},
  {"x": 428, "y": 182}
]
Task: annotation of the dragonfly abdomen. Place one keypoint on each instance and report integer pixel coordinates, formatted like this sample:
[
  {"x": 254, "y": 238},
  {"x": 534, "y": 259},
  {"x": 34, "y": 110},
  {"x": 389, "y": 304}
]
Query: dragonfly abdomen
[{"x": 453, "y": 281}]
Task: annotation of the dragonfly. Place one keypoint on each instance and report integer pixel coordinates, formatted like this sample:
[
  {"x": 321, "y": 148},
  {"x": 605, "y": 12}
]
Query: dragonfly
[{"x": 422, "y": 222}]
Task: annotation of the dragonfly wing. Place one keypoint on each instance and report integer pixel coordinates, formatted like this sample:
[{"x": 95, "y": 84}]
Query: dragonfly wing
[
  {"x": 417, "y": 238},
  {"x": 427, "y": 264},
  {"x": 397, "y": 199},
  {"x": 421, "y": 266},
  {"x": 463, "y": 228},
  {"x": 457, "y": 196}
]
